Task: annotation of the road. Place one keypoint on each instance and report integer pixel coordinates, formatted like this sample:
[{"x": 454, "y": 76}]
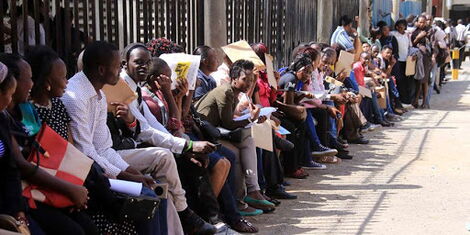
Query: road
[{"x": 411, "y": 179}]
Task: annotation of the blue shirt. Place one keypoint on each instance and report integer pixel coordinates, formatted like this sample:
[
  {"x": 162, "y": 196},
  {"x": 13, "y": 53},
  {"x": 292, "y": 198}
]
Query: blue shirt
[
  {"x": 341, "y": 37},
  {"x": 206, "y": 84}
]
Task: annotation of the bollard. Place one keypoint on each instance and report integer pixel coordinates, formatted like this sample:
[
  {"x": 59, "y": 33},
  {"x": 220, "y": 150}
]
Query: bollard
[{"x": 455, "y": 56}]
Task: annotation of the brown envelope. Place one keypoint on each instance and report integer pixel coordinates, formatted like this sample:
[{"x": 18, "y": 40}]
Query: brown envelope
[
  {"x": 344, "y": 63},
  {"x": 121, "y": 92},
  {"x": 270, "y": 70},
  {"x": 410, "y": 66},
  {"x": 242, "y": 50}
]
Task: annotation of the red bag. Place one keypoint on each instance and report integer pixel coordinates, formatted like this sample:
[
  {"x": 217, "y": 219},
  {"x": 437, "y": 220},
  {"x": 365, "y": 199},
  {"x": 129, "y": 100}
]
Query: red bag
[{"x": 59, "y": 158}]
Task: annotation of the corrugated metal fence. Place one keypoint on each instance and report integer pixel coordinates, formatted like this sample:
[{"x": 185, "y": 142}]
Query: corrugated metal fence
[{"x": 68, "y": 25}]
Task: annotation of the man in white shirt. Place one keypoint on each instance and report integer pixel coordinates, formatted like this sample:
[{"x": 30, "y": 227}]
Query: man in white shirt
[{"x": 87, "y": 107}]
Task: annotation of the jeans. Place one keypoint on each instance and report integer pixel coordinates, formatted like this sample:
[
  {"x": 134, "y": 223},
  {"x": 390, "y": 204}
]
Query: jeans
[
  {"x": 332, "y": 129},
  {"x": 432, "y": 79},
  {"x": 158, "y": 224}
]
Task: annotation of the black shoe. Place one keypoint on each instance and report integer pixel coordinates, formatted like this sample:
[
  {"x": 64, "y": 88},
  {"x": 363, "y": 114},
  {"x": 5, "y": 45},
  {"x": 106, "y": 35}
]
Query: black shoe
[
  {"x": 283, "y": 144},
  {"x": 193, "y": 224},
  {"x": 275, "y": 201},
  {"x": 344, "y": 155},
  {"x": 280, "y": 193},
  {"x": 269, "y": 210},
  {"x": 385, "y": 123},
  {"x": 359, "y": 141},
  {"x": 321, "y": 150},
  {"x": 285, "y": 183}
]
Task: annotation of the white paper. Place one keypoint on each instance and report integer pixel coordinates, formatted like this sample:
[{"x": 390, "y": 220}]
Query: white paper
[
  {"x": 270, "y": 70},
  {"x": 262, "y": 135},
  {"x": 283, "y": 131},
  {"x": 184, "y": 65},
  {"x": 127, "y": 187},
  {"x": 264, "y": 112}
]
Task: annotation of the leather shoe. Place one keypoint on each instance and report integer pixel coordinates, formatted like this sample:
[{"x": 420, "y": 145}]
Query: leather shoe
[
  {"x": 344, "y": 155},
  {"x": 359, "y": 141},
  {"x": 280, "y": 194}
]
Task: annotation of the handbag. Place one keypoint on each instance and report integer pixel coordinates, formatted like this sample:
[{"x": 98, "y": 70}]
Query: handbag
[
  {"x": 59, "y": 158},
  {"x": 137, "y": 208},
  {"x": 9, "y": 223},
  {"x": 209, "y": 131},
  {"x": 237, "y": 135}
]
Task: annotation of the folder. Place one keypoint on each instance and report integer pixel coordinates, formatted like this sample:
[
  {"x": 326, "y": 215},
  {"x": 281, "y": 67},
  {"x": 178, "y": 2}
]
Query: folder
[
  {"x": 410, "y": 66},
  {"x": 121, "y": 92}
]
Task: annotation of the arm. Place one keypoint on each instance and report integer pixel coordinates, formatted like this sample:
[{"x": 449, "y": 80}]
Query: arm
[
  {"x": 225, "y": 108},
  {"x": 78, "y": 194},
  {"x": 86, "y": 141}
]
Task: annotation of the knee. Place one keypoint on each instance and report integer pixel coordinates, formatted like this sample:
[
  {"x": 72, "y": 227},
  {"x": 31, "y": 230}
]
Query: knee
[{"x": 164, "y": 157}]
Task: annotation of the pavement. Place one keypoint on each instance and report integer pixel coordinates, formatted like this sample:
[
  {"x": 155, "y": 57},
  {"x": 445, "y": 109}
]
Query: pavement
[{"x": 413, "y": 178}]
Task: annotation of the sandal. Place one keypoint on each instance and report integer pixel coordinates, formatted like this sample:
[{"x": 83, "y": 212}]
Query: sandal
[
  {"x": 243, "y": 226},
  {"x": 329, "y": 159}
]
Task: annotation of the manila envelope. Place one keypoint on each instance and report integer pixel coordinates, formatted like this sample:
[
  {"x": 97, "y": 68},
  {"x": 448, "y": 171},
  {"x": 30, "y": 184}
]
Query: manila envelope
[
  {"x": 344, "y": 63},
  {"x": 242, "y": 50},
  {"x": 410, "y": 66},
  {"x": 365, "y": 92},
  {"x": 331, "y": 80},
  {"x": 262, "y": 135},
  {"x": 121, "y": 92},
  {"x": 270, "y": 70}
]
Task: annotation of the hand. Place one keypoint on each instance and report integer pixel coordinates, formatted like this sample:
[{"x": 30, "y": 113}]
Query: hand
[
  {"x": 147, "y": 181},
  {"x": 122, "y": 111},
  {"x": 276, "y": 120},
  {"x": 338, "y": 98},
  {"x": 21, "y": 217},
  {"x": 163, "y": 83},
  {"x": 203, "y": 147},
  {"x": 262, "y": 119},
  {"x": 254, "y": 111},
  {"x": 393, "y": 61},
  {"x": 201, "y": 160},
  {"x": 414, "y": 58},
  {"x": 332, "y": 111},
  {"x": 422, "y": 34},
  {"x": 182, "y": 88},
  {"x": 309, "y": 95},
  {"x": 79, "y": 196}
]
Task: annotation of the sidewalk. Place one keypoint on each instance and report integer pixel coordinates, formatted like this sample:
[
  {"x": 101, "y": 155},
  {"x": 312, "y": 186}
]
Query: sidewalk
[{"x": 411, "y": 179}]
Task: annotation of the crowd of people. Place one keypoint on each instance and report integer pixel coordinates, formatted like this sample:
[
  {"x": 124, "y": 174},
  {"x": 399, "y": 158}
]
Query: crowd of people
[{"x": 168, "y": 135}]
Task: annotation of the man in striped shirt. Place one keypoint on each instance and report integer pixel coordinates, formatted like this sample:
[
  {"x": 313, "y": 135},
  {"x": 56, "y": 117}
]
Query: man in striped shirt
[{"x": 344, "y": 34}]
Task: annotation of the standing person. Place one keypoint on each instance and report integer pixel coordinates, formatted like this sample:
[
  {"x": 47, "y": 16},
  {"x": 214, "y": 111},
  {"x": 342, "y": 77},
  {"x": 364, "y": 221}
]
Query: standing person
[
  {"x": 405, "y": 84},
  {"x": 419, "y": 39},
  {"x": 460, "y": 29},
  {"x": 345, "y": 34}
]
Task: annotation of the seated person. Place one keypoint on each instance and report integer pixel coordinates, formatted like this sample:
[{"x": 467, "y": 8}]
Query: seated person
[
  {"x": 87, "y": 108},
  {"x": 218, "y": 108}
]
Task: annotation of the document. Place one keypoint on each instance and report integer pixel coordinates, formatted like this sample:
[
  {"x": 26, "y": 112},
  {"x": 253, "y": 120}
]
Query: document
[
  {"x": 183, "y": 66},
  {"x": 263, "y": 112},
  {"x": 262, "y": 135},
  {"x": 410, "y": 66},
  {"x": 365, "y": 92},
  {"x": 126, "y": 187},
  {"x": 242, "y": 50},
  {"x": 270, "y": 70},
  {"x": 283, "y": 131},
  {"x": 344, "y": 63},
  {"x": 121, "y": 92}
]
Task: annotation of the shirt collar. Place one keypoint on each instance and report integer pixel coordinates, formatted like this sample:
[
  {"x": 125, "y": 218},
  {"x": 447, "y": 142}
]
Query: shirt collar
[
  {"x": 132, "y": 84},
  {"x": 86, "y": 85}
]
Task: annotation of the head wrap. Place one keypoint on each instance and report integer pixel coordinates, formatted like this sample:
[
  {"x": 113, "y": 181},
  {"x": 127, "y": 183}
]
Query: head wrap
[{"x": 3, "y": 71}]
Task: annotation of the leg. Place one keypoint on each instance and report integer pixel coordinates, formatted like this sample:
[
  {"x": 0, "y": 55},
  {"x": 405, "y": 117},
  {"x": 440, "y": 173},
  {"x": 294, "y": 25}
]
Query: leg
[
  {"x": 219, "y": 175},
  {"x": 160, "y": 163}
]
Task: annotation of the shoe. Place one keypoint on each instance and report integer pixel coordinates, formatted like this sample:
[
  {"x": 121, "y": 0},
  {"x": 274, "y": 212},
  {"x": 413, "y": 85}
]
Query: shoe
[
  {"x": 344, "y": 155},
  {"x": 268, "y": 210},
  {"x": 251, "y": 201},
  {"x": 312, "y": 165},
  {"x": 194, "y": 224},
  {"x": 254, "y": 212},
  {"x": 280, "y": 193},
  {"x": 393, "y": 117},
  {"x": 286, "y": 183},
  {"x": 361, "y": 140},
  {"x": 366, "y": 127},
  {"x": 321, "y": 150},
  {"x": 283, "y": 144},
  {"x": 338, "y": 146},
  {"x": 342, "y": 141},
  {"x": 385, "y": 123},
  {"x": 275, "y": 201},
  {"x": 243, "y": 226},
  {"x": 298, "y": 174}
]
